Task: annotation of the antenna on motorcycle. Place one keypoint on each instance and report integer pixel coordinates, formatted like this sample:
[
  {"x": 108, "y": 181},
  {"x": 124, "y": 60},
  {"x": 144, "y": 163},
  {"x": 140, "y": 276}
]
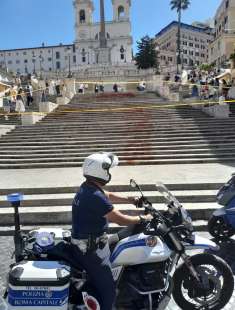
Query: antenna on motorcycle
[
  {"x": 15, "y": 200},
  {"x": 135, "y": 185}
]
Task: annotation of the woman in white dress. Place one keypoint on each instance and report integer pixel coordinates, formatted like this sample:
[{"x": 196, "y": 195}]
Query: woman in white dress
[{"x": 20, "y": 108}]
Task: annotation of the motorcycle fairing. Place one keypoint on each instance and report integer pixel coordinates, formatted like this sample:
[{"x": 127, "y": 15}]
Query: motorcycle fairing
[
  {"x": 220, "y": 212},
  {"x": 227, "y": 212},
  {"x": 230, "y": 212},
  {"x": 201, "y": 243}
]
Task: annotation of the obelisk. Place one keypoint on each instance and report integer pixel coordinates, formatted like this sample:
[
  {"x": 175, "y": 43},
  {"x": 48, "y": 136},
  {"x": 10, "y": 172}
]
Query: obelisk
[
  {"x": 103, "y": 51},
  {"x": 103, "y": 41}
]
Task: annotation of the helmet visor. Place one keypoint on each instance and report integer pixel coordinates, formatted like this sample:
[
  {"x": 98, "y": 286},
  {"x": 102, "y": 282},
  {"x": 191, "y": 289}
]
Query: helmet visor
[{"x": 113, "y": 161}]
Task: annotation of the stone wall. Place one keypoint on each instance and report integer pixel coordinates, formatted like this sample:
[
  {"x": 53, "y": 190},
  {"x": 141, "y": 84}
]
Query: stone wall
[
  {"x": 105, "y": 73},
  {"x": 163, "y": 88}
]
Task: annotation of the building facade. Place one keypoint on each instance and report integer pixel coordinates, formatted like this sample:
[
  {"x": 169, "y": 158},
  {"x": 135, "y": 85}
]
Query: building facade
[
  {"x": 194, "y": 47},
  {"x": 83, "y": 53},
  {"x": 223, "y": 44},
  {"x": 38, "y": 59}
]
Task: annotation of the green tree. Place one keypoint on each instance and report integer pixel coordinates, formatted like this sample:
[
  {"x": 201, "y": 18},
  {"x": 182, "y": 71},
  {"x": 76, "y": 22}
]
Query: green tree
[
  {"x": 147, "y": 55},
  {"x": 206, "y": 67},
  {"x": 179, "y": 5}
]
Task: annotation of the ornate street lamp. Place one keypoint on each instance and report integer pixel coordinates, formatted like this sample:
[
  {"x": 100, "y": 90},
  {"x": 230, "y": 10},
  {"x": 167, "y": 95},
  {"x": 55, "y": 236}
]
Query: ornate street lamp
[
  {"x": 34, "y": 64},
  {"x": 69, "y": 59},
  {"x": 41, "y": 59},
  {"x": 157, "y": 49}
]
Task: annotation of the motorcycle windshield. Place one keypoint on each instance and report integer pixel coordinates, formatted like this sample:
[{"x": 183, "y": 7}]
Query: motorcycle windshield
[{"x": 169, "y": 197}]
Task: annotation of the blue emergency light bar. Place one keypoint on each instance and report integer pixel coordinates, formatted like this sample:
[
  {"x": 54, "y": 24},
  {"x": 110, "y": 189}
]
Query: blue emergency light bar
[{"x": 16, "y": 197}]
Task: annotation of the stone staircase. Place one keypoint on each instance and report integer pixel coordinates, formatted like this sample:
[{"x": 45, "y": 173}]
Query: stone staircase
[
  {"x": 141, "y": 133},
  {"x": 10, "y": 120},
  {"x": 232, "y": 109},
  {"x": 52, "y": 206}
]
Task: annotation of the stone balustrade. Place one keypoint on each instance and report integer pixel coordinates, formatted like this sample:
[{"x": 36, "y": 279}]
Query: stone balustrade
[
  {"x": 31, "y": 118},
  {"x": 219, "y": 111}
]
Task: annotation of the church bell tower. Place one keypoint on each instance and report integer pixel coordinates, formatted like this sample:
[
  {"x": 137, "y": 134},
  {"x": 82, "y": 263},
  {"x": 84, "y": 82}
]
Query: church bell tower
[
  {"x": 84, "y": 17},
  {"x": 121, "y": 10}
]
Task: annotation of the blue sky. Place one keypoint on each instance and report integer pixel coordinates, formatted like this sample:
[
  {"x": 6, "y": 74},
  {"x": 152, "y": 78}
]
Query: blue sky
[{"x": 28, "y": 23}]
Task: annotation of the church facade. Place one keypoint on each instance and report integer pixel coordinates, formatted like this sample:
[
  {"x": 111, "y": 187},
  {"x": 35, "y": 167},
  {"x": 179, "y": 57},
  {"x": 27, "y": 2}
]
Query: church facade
[{"x": 118, "y": 34}]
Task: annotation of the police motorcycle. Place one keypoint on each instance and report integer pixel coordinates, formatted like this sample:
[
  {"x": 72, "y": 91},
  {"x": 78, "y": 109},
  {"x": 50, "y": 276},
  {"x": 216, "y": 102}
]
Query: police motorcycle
[
  {"x": 144, "y": 261},
  {"x": 222, "y": 222}
]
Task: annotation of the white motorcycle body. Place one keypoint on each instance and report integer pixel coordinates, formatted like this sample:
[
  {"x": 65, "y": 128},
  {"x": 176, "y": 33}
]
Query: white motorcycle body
[{"x": 134, "y": 250}]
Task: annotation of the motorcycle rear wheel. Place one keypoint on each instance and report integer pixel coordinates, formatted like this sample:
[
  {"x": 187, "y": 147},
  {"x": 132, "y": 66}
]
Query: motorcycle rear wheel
[
  {"x": 190, "y": 295},
  {"x": 218, "y": 228}
]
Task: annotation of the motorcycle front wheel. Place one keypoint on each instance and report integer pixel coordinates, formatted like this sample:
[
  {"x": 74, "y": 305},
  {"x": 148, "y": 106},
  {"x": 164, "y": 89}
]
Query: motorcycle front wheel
[
  {"x": 218, "y": 228},
  {"x": 214, "y": 289}
]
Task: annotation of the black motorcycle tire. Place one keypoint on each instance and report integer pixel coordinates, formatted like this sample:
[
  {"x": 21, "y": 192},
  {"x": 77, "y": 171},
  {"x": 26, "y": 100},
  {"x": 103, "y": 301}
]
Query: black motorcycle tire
[
  {"x": 213, "y": 223},
  {"x": 182, "y": 273}
]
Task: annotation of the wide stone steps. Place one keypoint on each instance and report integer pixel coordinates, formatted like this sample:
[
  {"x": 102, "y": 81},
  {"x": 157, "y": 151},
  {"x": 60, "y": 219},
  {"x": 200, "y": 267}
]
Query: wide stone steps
[
  {"x": 142, "y": 140},
  {"x": 74, "y": 127},
  {"x": 111, "y": 140},
  {"x": 140, "y": 134},
  {"x": 71, "y": 118},
  {"x": 213, "y": 145},
  {"x": 142, "y": 153},
  {"x": 151, "y": 160},
  {"x": 77, "y": 156},
  {"x": 45, "y": 206},
  {"x": 122, "y": 122},
  {"x": 70, "y": 164},
  {"x": 164, "y": 149},
  {"x": 232, "y": 109},
  {"x": 119, "y": 135},
  {"x": 9, "y": 120}
]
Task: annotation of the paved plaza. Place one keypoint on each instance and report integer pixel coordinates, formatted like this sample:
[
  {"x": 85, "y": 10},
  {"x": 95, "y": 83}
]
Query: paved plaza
[
  {"x": 6, "y": 246},
  {"x": 148, "y": 174}
]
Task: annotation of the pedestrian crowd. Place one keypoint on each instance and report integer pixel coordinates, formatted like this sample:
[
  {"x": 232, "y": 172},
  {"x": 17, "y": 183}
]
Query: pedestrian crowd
[
  {"x": 207, "y": 85},
  {"x": 99, "y": 88},
  {"x": 22, "y": 94},
  {"x": 17, "y": 98}
]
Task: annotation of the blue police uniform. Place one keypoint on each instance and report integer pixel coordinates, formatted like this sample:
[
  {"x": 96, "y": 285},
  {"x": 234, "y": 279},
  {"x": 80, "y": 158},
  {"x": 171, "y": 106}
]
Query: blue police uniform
[{"x": 90, "y": 205}]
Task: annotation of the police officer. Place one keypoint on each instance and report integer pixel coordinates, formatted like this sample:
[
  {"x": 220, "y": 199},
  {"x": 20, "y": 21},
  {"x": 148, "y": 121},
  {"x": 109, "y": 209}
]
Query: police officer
[{"x": 91, "y": 211}]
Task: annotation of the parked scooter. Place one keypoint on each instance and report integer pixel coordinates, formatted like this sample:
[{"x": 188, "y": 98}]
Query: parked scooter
[
  {"x": 222, "y": 222},
  {"x": 144, "y": 262}
]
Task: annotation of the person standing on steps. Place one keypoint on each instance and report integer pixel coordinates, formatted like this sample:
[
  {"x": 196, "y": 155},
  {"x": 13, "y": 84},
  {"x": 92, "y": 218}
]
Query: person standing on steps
[
  {"x": 96, "y": 88},
  {"x": 115, "y": 88},
  {"x": 20, "y": 108}
]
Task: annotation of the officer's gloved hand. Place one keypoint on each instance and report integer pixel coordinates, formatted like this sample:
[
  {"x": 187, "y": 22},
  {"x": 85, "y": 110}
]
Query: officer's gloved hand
[
  {"x": 145, "y": 219},
  {"x": 139, "y": 202}
]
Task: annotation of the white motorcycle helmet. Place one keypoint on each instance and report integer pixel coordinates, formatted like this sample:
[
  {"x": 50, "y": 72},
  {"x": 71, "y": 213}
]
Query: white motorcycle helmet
[{"x": 97, "y": 165}]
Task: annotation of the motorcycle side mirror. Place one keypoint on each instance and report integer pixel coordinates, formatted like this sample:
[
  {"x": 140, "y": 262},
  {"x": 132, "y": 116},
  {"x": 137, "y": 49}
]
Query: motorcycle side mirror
[{"x": 133, "y": 183}]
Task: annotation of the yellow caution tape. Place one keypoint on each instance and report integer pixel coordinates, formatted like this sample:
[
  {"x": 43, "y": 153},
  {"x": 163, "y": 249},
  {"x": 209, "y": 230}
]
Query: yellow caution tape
[{"x": 108, "y": 109}]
